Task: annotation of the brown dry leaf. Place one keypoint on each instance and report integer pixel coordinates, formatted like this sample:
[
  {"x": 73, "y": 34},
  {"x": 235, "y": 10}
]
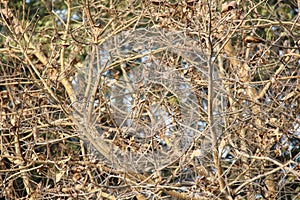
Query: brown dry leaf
[
  {"x": 140, "y": 197},
  {"x": 252, "y": 39},
  {"x": 196, "y": 153},
  {"x": 107, "y": 196},
  {"x": 79, "y": 187},
  {"x": 227, "y": 6},
  {"x": 59, "y": 175}
]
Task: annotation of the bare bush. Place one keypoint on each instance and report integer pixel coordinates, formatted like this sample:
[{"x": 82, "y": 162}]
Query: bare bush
[{"x": 149, "y": 100}]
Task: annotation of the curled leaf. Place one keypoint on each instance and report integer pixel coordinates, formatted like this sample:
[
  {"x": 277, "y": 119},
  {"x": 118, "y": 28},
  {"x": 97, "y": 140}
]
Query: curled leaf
[
  {"x": 227, "y": 6},
  {"x": 252, "y": 39}
]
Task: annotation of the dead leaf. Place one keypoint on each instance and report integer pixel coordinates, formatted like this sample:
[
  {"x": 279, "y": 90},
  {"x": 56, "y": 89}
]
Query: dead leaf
[
  {"x": 59, "y": 175},
  {"x": 252, "y": 39},
  {"x": 227, "y": 6},
  {"x": 140, "y": 197},
  {"x": 196, "y": 153}
]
